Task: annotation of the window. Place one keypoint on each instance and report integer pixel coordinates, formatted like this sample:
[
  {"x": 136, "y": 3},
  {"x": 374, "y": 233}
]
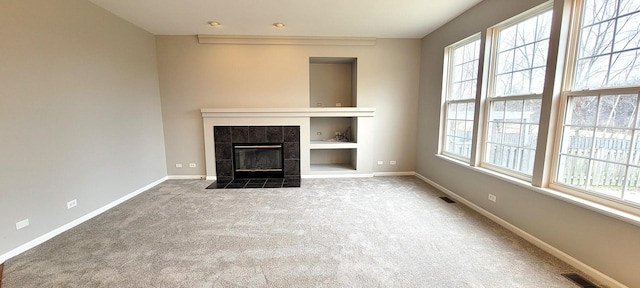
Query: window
[
  {"x": 460, "y": 94},
  {"x": 600, "y": 136},
  {"x": 597, "y": 144},
  {"x": 609, "y": 45},
  {"x": 519, "y": 58}
]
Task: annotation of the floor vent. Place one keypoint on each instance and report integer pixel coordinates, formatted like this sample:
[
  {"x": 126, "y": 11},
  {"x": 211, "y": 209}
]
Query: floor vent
[
  {"x": 447, "y": 199},
  {"x": 579, "y": 280}
]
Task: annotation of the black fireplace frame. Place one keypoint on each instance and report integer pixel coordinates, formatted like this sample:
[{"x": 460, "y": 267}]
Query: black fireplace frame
[
  {"x": 225, "y": 136},
  {"x": 252, "y": 174}
]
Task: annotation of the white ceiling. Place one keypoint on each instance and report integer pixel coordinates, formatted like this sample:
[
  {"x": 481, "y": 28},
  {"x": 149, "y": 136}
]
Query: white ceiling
[{"x": 338, "y": 18}]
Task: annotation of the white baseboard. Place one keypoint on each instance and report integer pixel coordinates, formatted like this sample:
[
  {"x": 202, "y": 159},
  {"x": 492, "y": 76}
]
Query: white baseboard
[
  {"x": 323, "y": 176},
  {"x": 599, "y": 276},
  {"x": 382, "y": 174},
  {"x": 35, "y": 242},
  {"x": 186, "y": 177},
  {"x": 211, "y": 178}
]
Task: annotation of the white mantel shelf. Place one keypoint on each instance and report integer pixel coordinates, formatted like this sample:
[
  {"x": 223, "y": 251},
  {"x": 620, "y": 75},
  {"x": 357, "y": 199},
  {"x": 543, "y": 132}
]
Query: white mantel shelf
[
  {"x": 287, "y": 112},
  {"x": 332, "y": 145},
  {"x": 361, "y": 150}
]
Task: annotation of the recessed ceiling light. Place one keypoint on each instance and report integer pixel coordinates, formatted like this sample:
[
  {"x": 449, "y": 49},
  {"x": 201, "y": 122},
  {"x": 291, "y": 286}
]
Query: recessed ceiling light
[
  {"x": 214, "y": 23},
  {"x": 278, "y": 24}
]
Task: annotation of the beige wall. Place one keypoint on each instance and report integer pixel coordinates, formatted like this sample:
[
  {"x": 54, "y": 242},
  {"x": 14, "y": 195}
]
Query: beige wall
[
  {"x": 329, "y": 84},
  {"x": 79, "y": 114},
  {"x": 604, "y": 243},
  {"x": 80, "y": 118},
  {"x": 194, "y": 76}
]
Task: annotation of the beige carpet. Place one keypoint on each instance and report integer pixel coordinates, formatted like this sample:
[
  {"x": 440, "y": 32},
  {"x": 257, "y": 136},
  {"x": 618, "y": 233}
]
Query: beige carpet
[{"x": 369, "y": 232}]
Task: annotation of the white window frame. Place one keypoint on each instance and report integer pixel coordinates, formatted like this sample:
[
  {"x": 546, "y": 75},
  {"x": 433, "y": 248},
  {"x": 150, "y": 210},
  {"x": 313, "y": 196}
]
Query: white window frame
[
  {"x": 559, "y": 72},
  {"x": 447, "y": 90},
  {"x": 494, "y": 32},
  {"x": 570, "y": 66}
]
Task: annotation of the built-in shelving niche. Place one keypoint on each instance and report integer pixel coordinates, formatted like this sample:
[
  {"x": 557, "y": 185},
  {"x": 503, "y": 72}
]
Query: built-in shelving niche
[
  {"x": 333, "y": 160},
  {"x": 333, "y": 82},
  {"x": 328, "y": 152},
  {"x": 328, "y": 130}
]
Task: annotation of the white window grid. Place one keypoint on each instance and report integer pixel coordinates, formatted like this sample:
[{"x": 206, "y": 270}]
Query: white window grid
[
  {"x": 608, "y": 40},
  {"x": 512, "y": 135},
  {"x": 459, "y": 128},
  {"x": 610, "y": 168},
  {"x": 547, "y": 176},
  {"x": 600, "y": 158},
  {"x": 461, "y": 60},
  {"x": 522, "y": 55},
  {"x": 514, "y": 154}
]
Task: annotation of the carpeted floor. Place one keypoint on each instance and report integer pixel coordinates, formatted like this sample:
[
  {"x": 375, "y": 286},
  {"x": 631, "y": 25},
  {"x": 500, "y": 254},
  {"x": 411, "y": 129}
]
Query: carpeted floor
[{"x": 367, "y": 232}]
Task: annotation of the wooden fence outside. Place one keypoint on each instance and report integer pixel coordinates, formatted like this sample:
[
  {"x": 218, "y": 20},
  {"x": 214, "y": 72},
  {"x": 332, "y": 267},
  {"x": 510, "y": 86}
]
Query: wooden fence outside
[{"x": 603, "y": 173}]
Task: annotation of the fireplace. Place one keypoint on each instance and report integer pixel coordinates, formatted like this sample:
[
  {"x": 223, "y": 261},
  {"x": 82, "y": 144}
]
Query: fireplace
[
  {"x": 257, "y": 152},
  {"x": 252, "y": 160}
]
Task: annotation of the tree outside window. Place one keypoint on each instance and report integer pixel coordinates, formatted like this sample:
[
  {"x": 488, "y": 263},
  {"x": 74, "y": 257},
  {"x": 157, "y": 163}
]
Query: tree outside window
[
  {"x": 520, "y": 55},
  {"x": 460, "y": 97},
  {"x": 600, "y": 147}
]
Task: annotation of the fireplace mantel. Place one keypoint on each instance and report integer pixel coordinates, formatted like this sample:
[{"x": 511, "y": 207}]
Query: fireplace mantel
[
  {"x": 287, "y": 112},
  {"x": 362, "y": 150}
]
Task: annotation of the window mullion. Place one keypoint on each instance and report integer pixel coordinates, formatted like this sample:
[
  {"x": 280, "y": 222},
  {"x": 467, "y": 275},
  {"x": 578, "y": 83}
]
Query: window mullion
[
  {"x": 533, "y": 56},
  {"x": 593, "y": 144},
  {"x": 613, "y": 41},
  {"x": 634, "y": 131}
]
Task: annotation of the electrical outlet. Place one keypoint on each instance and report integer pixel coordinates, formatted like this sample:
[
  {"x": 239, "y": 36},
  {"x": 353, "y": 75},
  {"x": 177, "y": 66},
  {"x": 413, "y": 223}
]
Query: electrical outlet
[
  {"x": 338, "y": 104},
  {"x": 318, "y": 133},
  {"x": 493, "y": 198},
  {"x": 393, "y": 162},
  {"x": 192, "y": 165},
  {"x": 319, "y": 104},
  {"x": 72, "y": 203},
  {"x": 178, "y": 165},
  {"x": 380, "y": 162},
  {"x": 22, "y": 224}
]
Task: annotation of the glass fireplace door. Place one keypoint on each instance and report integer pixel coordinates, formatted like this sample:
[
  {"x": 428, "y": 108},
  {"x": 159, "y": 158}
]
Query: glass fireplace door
[{"x": 258, "y": 161}]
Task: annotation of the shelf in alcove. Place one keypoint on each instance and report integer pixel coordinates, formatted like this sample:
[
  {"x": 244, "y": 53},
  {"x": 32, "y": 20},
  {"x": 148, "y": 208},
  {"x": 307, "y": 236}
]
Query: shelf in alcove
[
  {"x": 333, "y": 167},
  {"x": 332, "y": 145}
]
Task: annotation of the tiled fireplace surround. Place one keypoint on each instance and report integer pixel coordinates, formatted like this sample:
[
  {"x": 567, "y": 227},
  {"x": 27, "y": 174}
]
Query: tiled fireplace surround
[
  {"x": 254, "y": 117},
  {"x": 225, "y": 136}
]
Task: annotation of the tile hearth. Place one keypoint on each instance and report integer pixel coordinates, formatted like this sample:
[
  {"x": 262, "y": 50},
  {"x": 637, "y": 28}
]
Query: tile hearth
[{"x": 256, "y": 183}]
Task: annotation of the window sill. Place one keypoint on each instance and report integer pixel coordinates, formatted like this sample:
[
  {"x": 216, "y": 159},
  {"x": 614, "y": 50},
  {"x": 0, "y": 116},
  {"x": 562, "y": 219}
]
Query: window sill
[{"x": 591, "y": 205}]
